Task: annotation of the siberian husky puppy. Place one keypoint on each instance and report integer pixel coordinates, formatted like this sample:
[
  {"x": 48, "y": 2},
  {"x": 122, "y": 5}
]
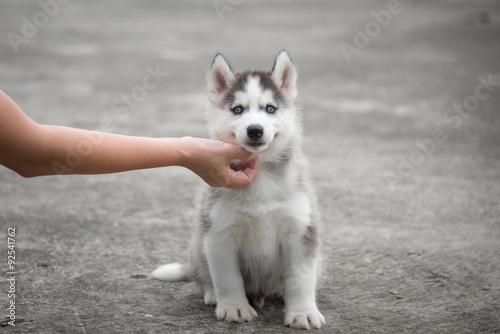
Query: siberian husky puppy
[{"x": 263, "y": 239}]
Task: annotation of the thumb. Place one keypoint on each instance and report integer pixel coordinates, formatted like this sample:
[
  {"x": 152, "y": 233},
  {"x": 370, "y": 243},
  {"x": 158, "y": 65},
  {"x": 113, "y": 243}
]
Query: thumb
[{"x": 238, "y": 152}]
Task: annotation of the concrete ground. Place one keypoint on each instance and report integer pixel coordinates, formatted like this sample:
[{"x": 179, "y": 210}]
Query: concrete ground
[{"x": 402, "y": 129}]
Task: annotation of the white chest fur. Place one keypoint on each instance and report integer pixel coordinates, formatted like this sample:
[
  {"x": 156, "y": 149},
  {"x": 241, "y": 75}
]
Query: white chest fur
[{"x": 260, "y": 224}]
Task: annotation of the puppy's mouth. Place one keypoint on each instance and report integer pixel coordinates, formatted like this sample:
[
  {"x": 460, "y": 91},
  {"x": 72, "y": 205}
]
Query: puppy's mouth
[
  {"x": 255, "y": 146},
  {"x": 252, "y": 144}
]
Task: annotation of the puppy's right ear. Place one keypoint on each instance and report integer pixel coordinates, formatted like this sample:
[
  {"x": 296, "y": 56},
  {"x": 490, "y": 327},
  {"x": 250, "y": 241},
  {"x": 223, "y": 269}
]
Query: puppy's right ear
[{"x": 220, "y": 76}]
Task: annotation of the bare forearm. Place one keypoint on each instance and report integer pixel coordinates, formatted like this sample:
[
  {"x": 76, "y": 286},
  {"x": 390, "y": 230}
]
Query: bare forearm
[
  {"x": 31, "y": 149},
  {"x": 75, "y": 151}
]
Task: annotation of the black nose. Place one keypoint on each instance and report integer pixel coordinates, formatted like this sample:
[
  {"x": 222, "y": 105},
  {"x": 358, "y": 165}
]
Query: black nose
[{"x": 255, "y": 131}]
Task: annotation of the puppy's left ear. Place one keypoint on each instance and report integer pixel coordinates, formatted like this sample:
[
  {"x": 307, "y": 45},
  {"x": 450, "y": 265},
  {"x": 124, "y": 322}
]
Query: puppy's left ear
[{"x": 284, "y": 74}]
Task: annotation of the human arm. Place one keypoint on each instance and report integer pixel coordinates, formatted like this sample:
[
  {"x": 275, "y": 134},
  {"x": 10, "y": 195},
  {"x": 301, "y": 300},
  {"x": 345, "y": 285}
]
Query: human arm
[{"x": 33, "y": 149}]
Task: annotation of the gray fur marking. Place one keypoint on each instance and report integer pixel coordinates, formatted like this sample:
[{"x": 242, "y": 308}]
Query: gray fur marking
[{"x": 266, "y": 83}]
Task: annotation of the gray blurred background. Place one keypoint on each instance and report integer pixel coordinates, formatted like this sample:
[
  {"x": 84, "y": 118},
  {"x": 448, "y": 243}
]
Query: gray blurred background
[{"x": 401, "y": 119}]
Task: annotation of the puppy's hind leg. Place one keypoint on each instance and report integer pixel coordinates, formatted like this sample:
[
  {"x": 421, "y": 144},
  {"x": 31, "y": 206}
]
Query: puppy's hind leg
[{"x": 209, "y": 294}]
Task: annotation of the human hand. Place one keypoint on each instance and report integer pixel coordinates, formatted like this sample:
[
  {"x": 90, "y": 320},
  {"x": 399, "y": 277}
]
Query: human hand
[{"x": 219, "y": 164}]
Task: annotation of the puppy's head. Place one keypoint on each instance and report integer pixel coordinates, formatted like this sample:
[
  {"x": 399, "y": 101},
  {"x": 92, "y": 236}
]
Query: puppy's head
[{"x": 254, "y": 109}]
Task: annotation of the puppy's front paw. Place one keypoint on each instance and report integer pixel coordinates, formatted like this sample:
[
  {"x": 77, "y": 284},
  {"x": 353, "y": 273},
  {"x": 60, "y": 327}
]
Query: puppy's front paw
[
  {"x": 306, "y": 319},
  {"x": 235, "y": 313}
]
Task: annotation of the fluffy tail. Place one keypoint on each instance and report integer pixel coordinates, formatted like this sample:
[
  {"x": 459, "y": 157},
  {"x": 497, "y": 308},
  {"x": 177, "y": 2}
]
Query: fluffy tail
[{"x": 171, "y": 272}]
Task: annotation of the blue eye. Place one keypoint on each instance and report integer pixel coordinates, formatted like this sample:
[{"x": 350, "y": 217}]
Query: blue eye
[
  {"x": 237, "y": 110},
  {"x": 270, "y": 109}
]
